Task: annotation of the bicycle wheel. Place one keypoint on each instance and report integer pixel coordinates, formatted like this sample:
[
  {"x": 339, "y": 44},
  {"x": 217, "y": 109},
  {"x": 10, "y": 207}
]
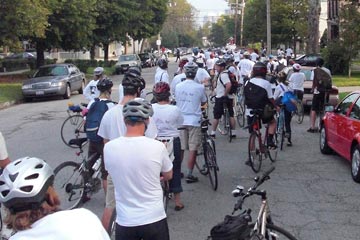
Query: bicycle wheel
[
  {"x": 212, "y": 165},
  {"x": 228, "y": 126},
  {"x": 222, "y": 125},
  {"x": 254, "y": 149},
  {"x": 272, "y": 153},
  {"x": 166, "y": 192},
  {"x": 299, "y": 112},
  {"x": 73, "y": 127},
  {"x": 274, "y": 232},
  {"x": 240, "y": 114},
  {"x": 69, "y": 184},
  {"x": 201, "y": 164},
  {"x": 112, "y": 225}
]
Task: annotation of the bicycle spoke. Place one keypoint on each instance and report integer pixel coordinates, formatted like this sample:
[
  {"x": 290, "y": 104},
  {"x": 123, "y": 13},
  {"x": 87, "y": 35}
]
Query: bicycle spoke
[
  {"x": 254, "y": 150},
  {"x": 73, "y": 127}
]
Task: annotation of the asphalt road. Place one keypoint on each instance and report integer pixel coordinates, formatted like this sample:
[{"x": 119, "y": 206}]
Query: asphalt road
[{"x": 310, "y": 194}]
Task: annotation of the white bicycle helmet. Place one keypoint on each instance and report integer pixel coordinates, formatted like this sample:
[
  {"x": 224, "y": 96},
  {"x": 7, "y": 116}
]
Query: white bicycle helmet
[
  {"x": 137, "y": 110},
  {"x": 98, "y": 71},
  {"x": 24, "y": 183}
]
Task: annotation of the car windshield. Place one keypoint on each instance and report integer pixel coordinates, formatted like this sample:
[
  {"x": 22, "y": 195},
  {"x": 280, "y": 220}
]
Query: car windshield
[
  {"x": 144, "y": 56},
  {"x": 127, "y": 58},
  {"x": 52, "y": 71}
]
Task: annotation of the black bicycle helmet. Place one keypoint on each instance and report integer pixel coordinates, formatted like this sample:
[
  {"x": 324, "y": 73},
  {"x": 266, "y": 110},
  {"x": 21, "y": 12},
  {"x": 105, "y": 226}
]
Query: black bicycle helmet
[
  {"x": 104, "y": 85},
  {"x": 163, "y": 64},
  {"x": 259, "y": 70},
  {"x": 221, "y": 62},
  {"x": 191, "y": 69},
  {"x": 24, "y": 183},
  {"x": 134, "y": 69},
  {"x": 133, "y": 81},
  {"x": 137, "y": 110}
]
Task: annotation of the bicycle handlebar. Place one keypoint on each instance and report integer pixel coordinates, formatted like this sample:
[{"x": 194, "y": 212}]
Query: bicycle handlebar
[{"x": 252, "y": 190}]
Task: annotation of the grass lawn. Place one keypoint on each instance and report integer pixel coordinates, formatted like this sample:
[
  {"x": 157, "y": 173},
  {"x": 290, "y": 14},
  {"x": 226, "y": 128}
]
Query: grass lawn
[
  {"x": 345, "y": 81},
  {"x": 10, "y": 92}
]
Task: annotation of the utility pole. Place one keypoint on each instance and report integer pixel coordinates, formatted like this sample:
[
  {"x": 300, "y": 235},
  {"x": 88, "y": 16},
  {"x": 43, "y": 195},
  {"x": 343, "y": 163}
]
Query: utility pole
[
  {"x": 268, "y": 28},
  {"x": 236, "y": 20},
  {"x": 242, "y": 22}
]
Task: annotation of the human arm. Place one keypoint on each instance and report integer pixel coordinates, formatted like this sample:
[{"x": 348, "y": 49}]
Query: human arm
[
  {"x": 4, "y": 157},
  {"x": 167, "y": 166},
  {"x": 87, "y": 91}
]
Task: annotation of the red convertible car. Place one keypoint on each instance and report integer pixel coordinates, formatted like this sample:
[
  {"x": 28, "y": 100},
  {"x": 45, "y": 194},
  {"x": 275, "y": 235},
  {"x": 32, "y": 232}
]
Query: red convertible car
[{"x": 340, "y": 131}]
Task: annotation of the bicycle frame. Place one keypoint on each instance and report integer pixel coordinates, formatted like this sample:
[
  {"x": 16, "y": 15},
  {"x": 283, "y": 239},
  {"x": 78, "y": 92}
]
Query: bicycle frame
[{"x": 262, "y": 218}]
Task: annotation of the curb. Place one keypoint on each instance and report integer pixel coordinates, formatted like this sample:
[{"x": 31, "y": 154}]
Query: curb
[{"x": 7, "y": 104}]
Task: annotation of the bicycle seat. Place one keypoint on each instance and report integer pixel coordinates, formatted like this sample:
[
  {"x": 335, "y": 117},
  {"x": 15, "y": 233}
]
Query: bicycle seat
[
  {"x": 77, "y": 142},
  {"x": 257, "y": 111}
]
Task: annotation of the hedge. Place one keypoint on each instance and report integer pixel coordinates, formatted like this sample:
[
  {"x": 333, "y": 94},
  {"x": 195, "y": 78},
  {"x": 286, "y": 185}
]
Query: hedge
[
  {"x": 20, "y": 64},
  {"x": 83, "y": 65}
]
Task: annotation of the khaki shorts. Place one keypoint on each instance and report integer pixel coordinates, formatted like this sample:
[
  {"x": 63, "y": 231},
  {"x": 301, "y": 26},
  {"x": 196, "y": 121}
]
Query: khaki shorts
[
  {"x": 110, "y": 193},
  {"x": 190, "y": 138}
]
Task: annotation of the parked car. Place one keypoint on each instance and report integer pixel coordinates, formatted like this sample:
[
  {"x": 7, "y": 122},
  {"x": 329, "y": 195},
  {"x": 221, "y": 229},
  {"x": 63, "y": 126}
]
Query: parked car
[
  {"x": 126, "y": 61},
  {"x": 54, "y": 80},
  {"x": 147, "y": 60},
  {"x": 339, "y": 132},
  {"x": 22, "y": 55},
  {"x": 308, "y": 95},
  {"x": 308, "y": 60}
]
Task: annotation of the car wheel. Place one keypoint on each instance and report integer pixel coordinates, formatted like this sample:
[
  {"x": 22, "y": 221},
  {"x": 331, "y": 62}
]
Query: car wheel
[
  {"x": 324, "y": 147},
  {"x": 67, "y": 94},
  {"x": 81, "y": 90},
  {"x": 28, "y": 99},
  {"x": 355, "y": 163}
]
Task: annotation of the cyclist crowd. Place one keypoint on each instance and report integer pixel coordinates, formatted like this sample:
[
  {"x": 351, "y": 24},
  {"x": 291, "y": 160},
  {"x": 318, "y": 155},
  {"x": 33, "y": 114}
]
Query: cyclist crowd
[{"x": 132, "y": 137}]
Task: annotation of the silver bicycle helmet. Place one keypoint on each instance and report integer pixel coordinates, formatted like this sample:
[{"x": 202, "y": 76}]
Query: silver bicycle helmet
[
  {"x": 137, "y": 110},
  {"x": 24, "y": 183},
  {"x": 191, "y": 69},
  {"x": 98, "y": 71}
]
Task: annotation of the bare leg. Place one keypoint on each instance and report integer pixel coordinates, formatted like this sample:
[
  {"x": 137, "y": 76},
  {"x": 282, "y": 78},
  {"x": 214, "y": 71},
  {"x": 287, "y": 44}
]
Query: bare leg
[
  {"x": 192, "y": 159},
  {"x": 312, "y": 119}
]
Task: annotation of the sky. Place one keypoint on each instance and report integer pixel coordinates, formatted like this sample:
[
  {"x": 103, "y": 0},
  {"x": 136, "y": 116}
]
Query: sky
[{"x": 209, "y": 7}]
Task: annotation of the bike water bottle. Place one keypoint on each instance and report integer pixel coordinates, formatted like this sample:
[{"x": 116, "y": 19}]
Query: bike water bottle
[{"x": 96, "y": 167}]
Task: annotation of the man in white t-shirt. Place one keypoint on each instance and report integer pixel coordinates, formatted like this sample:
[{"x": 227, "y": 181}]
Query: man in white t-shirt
[
  {"x": 296, "y": 81},
  {"x": 245, "y": 67},
  {"x": 162, "y": 74},
  {"x": 189, "y": 97},
  {"x": 135, "y": 163},
  {"x": 289, "y": 53},
  {"x": 223, "y": 86},
  {"x": 4, "y": 157},
  {"x": 91, "y": 91},
  {"x": 254, "y": 56},
  {"x": 113, "y": 126}
]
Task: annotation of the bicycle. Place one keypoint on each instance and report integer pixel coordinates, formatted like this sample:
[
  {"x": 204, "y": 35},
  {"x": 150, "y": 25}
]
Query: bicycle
[
  {"x": 208, "y": 164},
  {"x": 280, "y": 128},
  {"x": 224, "y": 126},
  {"x": 75, "y": 181},
  {"x": 239, "y": 106},
  {"x": 257, "y": 147},
  {"x": 74, "y": 125},
  {"x": 299, "y": 112},
  {"x": 263, "y": 227}
]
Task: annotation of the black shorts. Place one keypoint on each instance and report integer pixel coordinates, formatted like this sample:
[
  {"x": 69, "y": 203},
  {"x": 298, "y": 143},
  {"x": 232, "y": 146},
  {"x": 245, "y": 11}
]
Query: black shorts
[
  {"x": 318, "y": 102},
  {"x": 299, "y": 94},
  {"x": 219, "y": 107},
  {"x": 157, "y": 230},
  {"x": 98, "y": 150}
]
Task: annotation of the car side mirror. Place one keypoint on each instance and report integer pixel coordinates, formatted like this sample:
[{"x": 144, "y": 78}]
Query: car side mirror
[{"x": 329, "y": 108}]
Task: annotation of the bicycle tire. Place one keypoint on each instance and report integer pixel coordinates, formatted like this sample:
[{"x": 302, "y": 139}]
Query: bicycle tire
[
  {"x": 112, "y": 225},
  {"x": 212, "y": 166},
  {"x": 73, "y": 127},
  {"x": 166, "y": 192},
  {"x": 68, "y": 175},
  {"x": 240, "y": 114},
  {"x": 228, "y": 125},
  {"x": 272, "y": 153},
  {"x": 254, "y": 151},
  {"x": 282, "y": 140},
  {"x": 299, "y": 112},
  {"x": 222, "y": 126},
  {"x": 278, "y": 233},
  {"x": 200, "y": 163}
]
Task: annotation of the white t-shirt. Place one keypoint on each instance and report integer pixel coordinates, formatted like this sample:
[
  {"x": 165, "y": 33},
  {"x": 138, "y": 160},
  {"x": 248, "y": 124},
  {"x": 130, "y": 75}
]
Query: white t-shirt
[
  {"x": 113, "y": 126},
  {"x": 176, "y": 80},
  {"x": 135, "y": 164},
  {"x": 91, "y": 91},
  {"x": 296, "y": 81},
  {"x": 283, "y": 61},
  {"x": 245, "y": 67},
  {"x": 3, "y": 150},
  {"x": 236, "y": 56},
  {"x": 162, "y": 75},
  {"x": 189, "y": 95},
  {"x": 261, "y": 83},
  {"x": 210, "y": 63},
  {"x": 201, "y": 76},
  {"x": 65, "y": 225},
  {"x": 280, "y": 90},
  {"x": 220, "y": 88},
  {"x": 167, "y": 119},
  {"x": 289, "y": 52},
  {"x": 254, "y": 56}
]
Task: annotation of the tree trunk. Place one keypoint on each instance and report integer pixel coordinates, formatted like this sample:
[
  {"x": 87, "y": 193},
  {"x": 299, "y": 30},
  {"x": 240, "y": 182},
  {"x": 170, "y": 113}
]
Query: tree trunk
[
  {"x": 313, "y": 45},
  {"x": 106, "y": 51},
  {"x": 40, "y": 58},
  {"x": 92, "y": 52}
]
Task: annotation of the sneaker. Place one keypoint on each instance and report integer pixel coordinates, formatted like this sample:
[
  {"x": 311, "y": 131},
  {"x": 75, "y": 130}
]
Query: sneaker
[
  {"x": 233, "y": 135},
  {"x": 287, "y": 135},
  {"x": 248, "y": 163},
  {"x": 191, "y": 179},
  {"x": 311, "y": 130},
  {"x": 289, "y": 144}
]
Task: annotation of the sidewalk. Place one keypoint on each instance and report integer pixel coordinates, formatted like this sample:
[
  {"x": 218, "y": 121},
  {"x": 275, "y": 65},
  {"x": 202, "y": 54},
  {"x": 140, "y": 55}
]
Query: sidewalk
[
  {"x": 14, "y": 72},
  {"x": 348, "y": 89}
]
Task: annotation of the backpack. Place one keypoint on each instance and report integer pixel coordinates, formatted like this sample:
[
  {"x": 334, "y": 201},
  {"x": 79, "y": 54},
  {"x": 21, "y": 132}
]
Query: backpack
[
  {"x": 289, "y": 100},
  {"x": 232, "y": 228},
  {"x": 93, "y": 119},
  {"x": 233, "y": 80},
  {"x": 322, "y": 80},
  {"x": 255, "y": 96}
]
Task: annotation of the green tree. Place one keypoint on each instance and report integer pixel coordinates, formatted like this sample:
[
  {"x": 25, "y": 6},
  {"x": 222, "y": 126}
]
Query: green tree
[
  {"x": 20, "y": 18},
  {"x": 222, "y": 30}
]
